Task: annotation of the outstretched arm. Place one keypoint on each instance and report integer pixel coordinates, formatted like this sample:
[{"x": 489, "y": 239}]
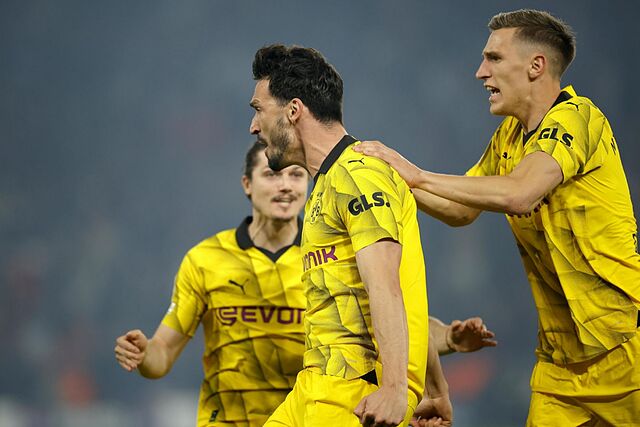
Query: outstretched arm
[
  {"x": 450, "y": 212},
  {"x": 153, "y": 358},
  {"x": 461, "y": 336},
  {"x": 447, "y": 211},
  {"x": 517, "y": 193}
]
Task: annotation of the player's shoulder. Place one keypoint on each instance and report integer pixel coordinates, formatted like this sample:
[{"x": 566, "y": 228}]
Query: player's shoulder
[
  {"x": 353, "y": 162},
  {"x": 222, "y": 240},
  {"x": 576, "y": 109}
]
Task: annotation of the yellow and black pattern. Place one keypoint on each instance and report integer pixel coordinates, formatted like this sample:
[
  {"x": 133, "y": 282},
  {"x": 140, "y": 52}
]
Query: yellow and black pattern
[
  {"x": 357, "y": 201},
  {"x": 578, "y": 246},
  {"x": 251, "y": 305}
]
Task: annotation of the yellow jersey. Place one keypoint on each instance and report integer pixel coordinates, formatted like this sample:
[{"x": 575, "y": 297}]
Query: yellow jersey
[
  {"x": 251, "y": 304},
  {"x": 357, "y": 201},
  {"x": 579, "y": 245}
]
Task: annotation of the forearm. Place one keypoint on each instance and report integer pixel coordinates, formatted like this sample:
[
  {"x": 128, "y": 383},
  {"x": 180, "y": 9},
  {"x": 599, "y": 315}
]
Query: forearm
[
  {"x": 378, "y": 265},
  {"x": 162, "y": 352},
  {"x": 157, "y": 361},
  {"x": 390, "y": 329},
  {"x": 450, "y": 212},
  {"x": 438, "y": 336},
  {"x": 492, "y": 193},
  {"x": 517, "y": 193},
  {"x": 436, "y": 384}
]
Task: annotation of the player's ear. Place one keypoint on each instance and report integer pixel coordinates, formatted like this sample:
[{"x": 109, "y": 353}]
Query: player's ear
[
  {"x": 246, "y": 185},
  {"x": 537, "y": 66},
  {"x": 294, "y": 110}
]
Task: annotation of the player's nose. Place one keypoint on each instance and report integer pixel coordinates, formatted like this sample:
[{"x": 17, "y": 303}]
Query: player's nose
[
  {"x": 254, "y": 129},
  {"x": 483, "y": 71}
]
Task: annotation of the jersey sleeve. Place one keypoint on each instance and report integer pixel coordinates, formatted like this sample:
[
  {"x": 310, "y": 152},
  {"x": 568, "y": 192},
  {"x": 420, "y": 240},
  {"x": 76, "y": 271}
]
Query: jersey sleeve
[
  {"x": 568, "y": 136},
  {"x": 188, "y": 299},
  {"x": 369, "y": 202}
]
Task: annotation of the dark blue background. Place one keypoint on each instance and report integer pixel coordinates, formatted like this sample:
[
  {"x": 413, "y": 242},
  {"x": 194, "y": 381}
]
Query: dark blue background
[{"x": 122, "y": 131}]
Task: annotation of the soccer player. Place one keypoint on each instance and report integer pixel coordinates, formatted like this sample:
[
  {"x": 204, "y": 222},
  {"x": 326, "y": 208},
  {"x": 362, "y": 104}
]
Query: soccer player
[
  {"x": 244, "y": 286},
  {"x": 553, "y": 167},
  {"x": 364, "y": 278},
  {"x": 246, "y": 283}
]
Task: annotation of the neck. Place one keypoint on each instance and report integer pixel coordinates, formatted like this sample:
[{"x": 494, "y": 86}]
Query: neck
[
  {"x": 540, "y": 102},
  {"x": 272, "y": 234},
  {"x": 318, "y": 140}
]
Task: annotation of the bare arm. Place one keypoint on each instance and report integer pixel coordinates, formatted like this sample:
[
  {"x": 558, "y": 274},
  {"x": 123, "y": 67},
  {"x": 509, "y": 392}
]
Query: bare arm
[
  {"x": 436, "y": 385},
  {"x": 517, "y": 193},
  {"x": 153, "y": 358},
  {"x": 447, "y": 211},
  {"x": 438, "y": 336},
  {"x": 378, "y": 265},
  {"x": 461, "y": 336},
  {"x": 435, "y": 409}
]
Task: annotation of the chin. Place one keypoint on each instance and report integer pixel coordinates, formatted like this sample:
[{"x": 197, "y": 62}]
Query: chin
[
  {"x": 497, "y": 110},
  {"x": 283, "y": 216}
]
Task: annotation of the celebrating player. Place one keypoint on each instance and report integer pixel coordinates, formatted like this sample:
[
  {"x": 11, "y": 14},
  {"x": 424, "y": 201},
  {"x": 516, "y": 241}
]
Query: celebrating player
[
  {"x": 364, "y": 279},
  {"x": 244, "y": 286},
  {"x": 553, "y": 166}
]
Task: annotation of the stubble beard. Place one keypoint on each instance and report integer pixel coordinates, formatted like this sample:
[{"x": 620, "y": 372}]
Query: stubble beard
[{"x": 279, "y": 142}]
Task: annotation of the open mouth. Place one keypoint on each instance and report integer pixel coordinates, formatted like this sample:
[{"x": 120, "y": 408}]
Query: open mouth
[
  {"x": 283, "y": 200},
  {"x": 493, "y": 92}
]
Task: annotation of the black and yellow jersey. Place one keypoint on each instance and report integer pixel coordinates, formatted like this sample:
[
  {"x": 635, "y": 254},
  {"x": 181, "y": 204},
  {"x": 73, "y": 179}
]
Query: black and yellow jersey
[
  {"x": 357, "y": 201},
  {"x": 579, "y": 245},
  {"x": 251, "y": 304}
]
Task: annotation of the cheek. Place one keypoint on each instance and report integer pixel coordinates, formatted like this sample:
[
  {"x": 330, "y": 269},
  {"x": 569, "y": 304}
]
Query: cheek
[
  {"x": 261, "y": 191},
  {"x": 301, "y": 188}
]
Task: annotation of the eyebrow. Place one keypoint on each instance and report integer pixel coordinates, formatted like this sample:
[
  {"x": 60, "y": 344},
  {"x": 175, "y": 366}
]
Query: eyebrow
[
  {"x": 254, "y": 103},
  {"x": 490, "y": 54}
]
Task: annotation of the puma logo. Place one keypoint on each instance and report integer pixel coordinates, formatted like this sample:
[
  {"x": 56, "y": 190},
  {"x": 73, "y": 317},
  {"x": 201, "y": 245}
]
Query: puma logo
[{"x": 241, "y": 286}]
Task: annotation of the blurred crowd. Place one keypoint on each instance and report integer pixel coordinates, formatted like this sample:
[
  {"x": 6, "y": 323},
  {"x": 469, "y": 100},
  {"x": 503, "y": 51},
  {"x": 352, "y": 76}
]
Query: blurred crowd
[{"x": 122, "y": 130}]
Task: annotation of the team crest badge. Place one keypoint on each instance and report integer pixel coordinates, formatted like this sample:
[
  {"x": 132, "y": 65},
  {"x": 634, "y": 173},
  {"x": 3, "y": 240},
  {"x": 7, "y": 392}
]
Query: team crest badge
[{"x": 316, "y": 208}]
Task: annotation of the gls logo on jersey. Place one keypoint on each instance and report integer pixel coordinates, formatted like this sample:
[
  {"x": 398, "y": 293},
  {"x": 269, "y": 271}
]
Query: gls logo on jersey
[
  {"x": 552, "y": 133},
  {"x": 360, "y": 204}
]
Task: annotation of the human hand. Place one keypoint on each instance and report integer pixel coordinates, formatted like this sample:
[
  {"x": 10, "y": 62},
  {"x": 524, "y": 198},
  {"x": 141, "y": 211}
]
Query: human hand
[
  {"x": 433, "y": 412},
  {"x": 131, "y": 349},
  {"x": 407, "y": 170},
  {"x": 384, "y": 407},
  {"x": 469, "y": 335}
]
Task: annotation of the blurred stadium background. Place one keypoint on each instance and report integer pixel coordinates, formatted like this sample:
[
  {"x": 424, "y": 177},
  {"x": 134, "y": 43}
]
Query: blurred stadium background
[{"x": 122, "y": 131}]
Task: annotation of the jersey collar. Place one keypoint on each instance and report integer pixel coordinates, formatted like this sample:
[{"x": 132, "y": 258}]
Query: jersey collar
[
  {"x": 346, "y": 141},
  {"x": 244, "y": 240},
  {"x": 566, "y": 94}
]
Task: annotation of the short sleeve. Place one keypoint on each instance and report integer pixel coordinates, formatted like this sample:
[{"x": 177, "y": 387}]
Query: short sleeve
[
  {"x": 565, "y": 135},
  {"x": 187, "y": 302},
  {"x": 370, "y": 202}
]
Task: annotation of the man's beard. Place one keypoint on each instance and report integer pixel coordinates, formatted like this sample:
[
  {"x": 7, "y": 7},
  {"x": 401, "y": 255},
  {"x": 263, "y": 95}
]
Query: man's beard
[{"x": 280, "y": 141}]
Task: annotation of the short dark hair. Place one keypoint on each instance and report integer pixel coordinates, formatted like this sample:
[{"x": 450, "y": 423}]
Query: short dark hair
[
  {"x": 251, "y": 158},
  {"x": 540, "y": 27},
  {"x": 301, "y": 72}
]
